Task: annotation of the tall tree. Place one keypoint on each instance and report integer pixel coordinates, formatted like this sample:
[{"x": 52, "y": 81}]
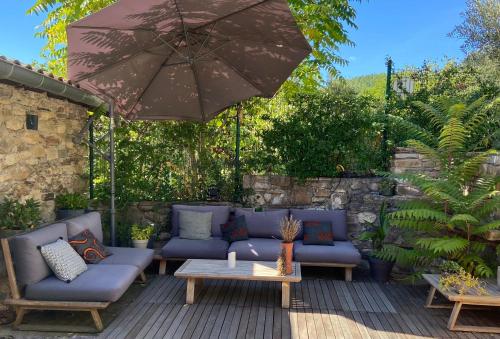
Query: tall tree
[
  {"x": 481, "y": 27},
  {"x": 323, "y": 22}
]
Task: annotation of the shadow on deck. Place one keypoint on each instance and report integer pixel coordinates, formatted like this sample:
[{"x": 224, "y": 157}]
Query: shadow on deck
[{"x": 323, "y": 306}]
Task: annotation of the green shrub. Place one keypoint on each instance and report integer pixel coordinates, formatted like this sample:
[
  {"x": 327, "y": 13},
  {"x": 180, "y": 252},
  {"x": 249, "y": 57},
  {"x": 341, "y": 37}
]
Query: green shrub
[
  {"x": 15, "y": 215},
  {"x": 142, "y": 232},
  {"x": 324, "y": 132},
  {"x": 71, "y": 201}
]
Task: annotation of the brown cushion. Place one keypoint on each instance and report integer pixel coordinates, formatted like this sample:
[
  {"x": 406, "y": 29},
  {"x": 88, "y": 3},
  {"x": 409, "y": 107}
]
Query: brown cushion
[{"x": 89, "y": 248}]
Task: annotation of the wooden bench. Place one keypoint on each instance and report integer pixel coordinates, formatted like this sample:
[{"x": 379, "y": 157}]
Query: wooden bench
[{"x": 492, "y": 299}]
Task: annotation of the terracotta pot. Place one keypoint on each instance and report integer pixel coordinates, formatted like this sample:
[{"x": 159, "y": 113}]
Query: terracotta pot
[{"x": 288, "y": 247}]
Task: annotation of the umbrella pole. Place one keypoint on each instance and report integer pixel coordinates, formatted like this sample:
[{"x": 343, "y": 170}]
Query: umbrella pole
[
  {"x": 112, "y": 173},
  {"x": 237, "y": 165}
]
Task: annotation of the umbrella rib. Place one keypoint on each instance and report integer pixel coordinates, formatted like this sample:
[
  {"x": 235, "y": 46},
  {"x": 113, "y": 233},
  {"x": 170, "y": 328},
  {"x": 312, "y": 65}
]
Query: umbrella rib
[
  {"x": 231, "y": 14},
  {"x": 191, "y": 62},
  {"x": 150, "y": 83},
  {"x": 244, "y": 77},
  {"x": 119, "y": 62}
]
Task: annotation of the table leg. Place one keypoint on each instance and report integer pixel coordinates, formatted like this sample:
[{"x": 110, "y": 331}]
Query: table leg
[
  {"x": 454, "y": 315},
  {"x": 191, "y": 290},
  {"x": 430, "y": 297},
  {"x": 285, "y": 294}
]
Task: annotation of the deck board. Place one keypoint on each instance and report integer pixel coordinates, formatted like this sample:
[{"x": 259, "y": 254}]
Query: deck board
[{"x": 320, "y": 308}]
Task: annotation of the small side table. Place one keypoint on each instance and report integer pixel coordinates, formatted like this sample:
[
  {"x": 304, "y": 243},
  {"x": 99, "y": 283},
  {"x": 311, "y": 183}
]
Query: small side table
[{"x": 492, "y": 300}]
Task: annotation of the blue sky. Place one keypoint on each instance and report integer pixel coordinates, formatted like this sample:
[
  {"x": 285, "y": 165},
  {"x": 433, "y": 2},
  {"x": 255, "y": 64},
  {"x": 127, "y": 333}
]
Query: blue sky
[{"x": 410, "y": 31}]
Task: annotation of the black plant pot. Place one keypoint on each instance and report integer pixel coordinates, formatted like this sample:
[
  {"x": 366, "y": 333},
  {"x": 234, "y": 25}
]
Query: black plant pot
[
  {"x": 66, "y": 214},
  {"x": 380, "y": 270}
]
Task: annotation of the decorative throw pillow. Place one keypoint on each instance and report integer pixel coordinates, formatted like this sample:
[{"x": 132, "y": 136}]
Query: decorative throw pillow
[
  {"x": 235, "y": 229},
  {"x": 89, "y": 248},
  {"x": 63, "y": 260},
  {"x": 317, "y": 233},
  {"x": 195, "y": 225}
]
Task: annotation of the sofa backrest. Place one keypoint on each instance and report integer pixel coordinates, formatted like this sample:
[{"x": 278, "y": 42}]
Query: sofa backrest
[
  {"x": 220, "y": 215},
  {"x": 29, "y": 264},
  {"x": 338, "y": 219},
  {"x": 263, "y": 224},
  {"x": 88, "y": 221}
]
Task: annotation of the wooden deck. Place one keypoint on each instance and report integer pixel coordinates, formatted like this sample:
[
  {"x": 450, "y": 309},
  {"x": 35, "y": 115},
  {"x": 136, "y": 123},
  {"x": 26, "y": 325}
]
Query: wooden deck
[{"x": 320, "y": 308}]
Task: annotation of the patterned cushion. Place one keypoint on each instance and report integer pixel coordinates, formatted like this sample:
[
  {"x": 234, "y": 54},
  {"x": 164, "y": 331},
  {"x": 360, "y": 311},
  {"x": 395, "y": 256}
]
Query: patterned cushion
[
  {"x": 90, "y": 249},
  {"x": 317, "y": 233},
  {"x": 63, "y": 260},
  {"x": 195, "y": 225},
  {"x": 235, "y": 229}
]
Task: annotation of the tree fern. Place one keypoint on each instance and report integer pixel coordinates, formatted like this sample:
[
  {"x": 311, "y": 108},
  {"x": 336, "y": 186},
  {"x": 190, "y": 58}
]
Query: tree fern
[{"x": 457, "y": 207}]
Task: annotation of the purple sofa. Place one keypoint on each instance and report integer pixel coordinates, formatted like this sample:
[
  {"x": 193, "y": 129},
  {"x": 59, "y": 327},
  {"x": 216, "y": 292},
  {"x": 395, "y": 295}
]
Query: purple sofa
[{"x": 264, "y": 241}]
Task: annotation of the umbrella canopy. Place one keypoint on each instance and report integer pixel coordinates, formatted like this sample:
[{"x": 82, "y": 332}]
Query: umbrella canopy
[{"x": 184, "y": 59}]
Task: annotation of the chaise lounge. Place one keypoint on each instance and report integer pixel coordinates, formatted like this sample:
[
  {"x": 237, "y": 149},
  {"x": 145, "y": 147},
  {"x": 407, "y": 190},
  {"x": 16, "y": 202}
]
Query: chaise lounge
[
  {"x": 34, "y": 286},
  {"x": 264, "y": 242}
]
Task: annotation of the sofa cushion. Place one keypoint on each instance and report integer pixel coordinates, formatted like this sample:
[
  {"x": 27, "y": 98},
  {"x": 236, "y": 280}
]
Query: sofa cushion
[
  {"x": 317, "y": 233},
  {"x": 257, "y": 249},
  {"x": 195, "y": 225},
  {"x": 214, "y": 248},
  {"x": 28, "y": 261},
  {"x": 235, "y": 229},
  {"x": 139, "y": 257},
  {"x": 343, "y": 252},
  {"x": 88, "y": 247},
  {"x": 338, "y": 219},
  {"x": 220, "y": 214},
  {"x": 263, "y": 224},
  {"x": 63, "y": 260},
  {"x": 98, "y": 283},
  {"x": 89, "y": 221}
]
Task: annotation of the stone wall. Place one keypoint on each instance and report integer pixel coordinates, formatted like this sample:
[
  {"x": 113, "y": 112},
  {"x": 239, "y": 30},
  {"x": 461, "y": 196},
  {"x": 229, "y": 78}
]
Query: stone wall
[
  {"x": 39, "y": 163},
  {"x": 361, "y": 197}
]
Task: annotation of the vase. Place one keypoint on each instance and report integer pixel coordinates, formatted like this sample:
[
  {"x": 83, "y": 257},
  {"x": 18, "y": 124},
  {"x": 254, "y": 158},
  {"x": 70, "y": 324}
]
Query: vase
[
  {"x": 288, "y": 248},
  {"x": 140, "y": 243}
]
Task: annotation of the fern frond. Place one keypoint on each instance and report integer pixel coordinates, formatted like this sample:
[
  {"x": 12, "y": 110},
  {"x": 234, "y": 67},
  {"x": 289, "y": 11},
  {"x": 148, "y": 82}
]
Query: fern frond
[
  {"x": 422, "y": 214},
  {"x": 453, "y": 136},
  {"x": 405, "y": 257},
  {"x": 443, "y": 245},
  {"x": 470, "y": 168},
  {"x": 460, "y": 219},
  {"x": 436, "y": 117},
  {"x": 417, "y": 132},
  {"x": 427, "y": 151},
  {"x": 495, "y": 225}
]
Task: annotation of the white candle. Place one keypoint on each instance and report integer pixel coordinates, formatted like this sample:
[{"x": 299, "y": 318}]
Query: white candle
[{"x": 231, "y": 260}]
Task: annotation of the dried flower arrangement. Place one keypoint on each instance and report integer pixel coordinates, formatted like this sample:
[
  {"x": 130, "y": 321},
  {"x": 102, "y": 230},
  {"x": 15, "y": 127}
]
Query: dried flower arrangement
[
  {"x": 455, "y": 279},
  {"x": 281, "y": 263},
  {"x": 289, "y": 228}
]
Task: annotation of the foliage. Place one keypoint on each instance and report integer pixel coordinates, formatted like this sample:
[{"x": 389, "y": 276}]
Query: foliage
[
  {"x": 481, "y": 27},
  {"x": 371, "y": 85},
  {"x": 289, "y": 229},
  {"x": 138, "y": 232},
  {"x": 15, "y": 215},
  {"x": 464, "y": 82},
  {"x": 71, "y": 201},
  {"x": 461, "y": 282},
  {"x": 456, "y": 211},
  {"x": 377, "y": 234},
  {"x": 322, "y": 131},
  {"x": 323, "y": 22}
]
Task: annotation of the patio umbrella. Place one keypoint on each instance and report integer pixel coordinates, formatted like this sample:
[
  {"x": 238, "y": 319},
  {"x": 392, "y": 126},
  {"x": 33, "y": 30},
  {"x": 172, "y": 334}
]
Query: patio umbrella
[{"x": 183, "y": 59}]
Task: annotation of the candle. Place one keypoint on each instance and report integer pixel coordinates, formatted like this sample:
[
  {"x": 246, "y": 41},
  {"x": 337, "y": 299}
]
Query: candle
[{"x": 231, "y": 260}]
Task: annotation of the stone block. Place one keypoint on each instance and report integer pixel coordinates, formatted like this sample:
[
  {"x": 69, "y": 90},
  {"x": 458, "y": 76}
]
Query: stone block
[
  {"x": 301, "y": 196},
  {"x": 279, "y": 180},
  {"x": 366, "y": 217},
  {"x": 14, "y": 123}
]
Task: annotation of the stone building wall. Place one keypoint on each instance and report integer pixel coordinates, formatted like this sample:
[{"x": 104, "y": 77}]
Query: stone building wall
[{"x": 40, "y": 163}]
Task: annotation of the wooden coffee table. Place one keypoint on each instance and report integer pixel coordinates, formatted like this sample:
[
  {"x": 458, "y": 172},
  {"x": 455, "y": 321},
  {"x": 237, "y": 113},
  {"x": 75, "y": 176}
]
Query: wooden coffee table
[
  {"x": 196, "y": 270},
  {"x": 460, "y": 301}
]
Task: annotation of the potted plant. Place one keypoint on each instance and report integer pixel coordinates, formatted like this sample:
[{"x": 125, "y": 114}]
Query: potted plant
[
  {"x": 16, "y": 217},
  {"x": 141, "y": 235},
  {"x": 69, "y": 205},
  {"x": 387, "y": 187},
  {"x": 289, "y": 228},
  {"x": 380, "y": 269}
]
